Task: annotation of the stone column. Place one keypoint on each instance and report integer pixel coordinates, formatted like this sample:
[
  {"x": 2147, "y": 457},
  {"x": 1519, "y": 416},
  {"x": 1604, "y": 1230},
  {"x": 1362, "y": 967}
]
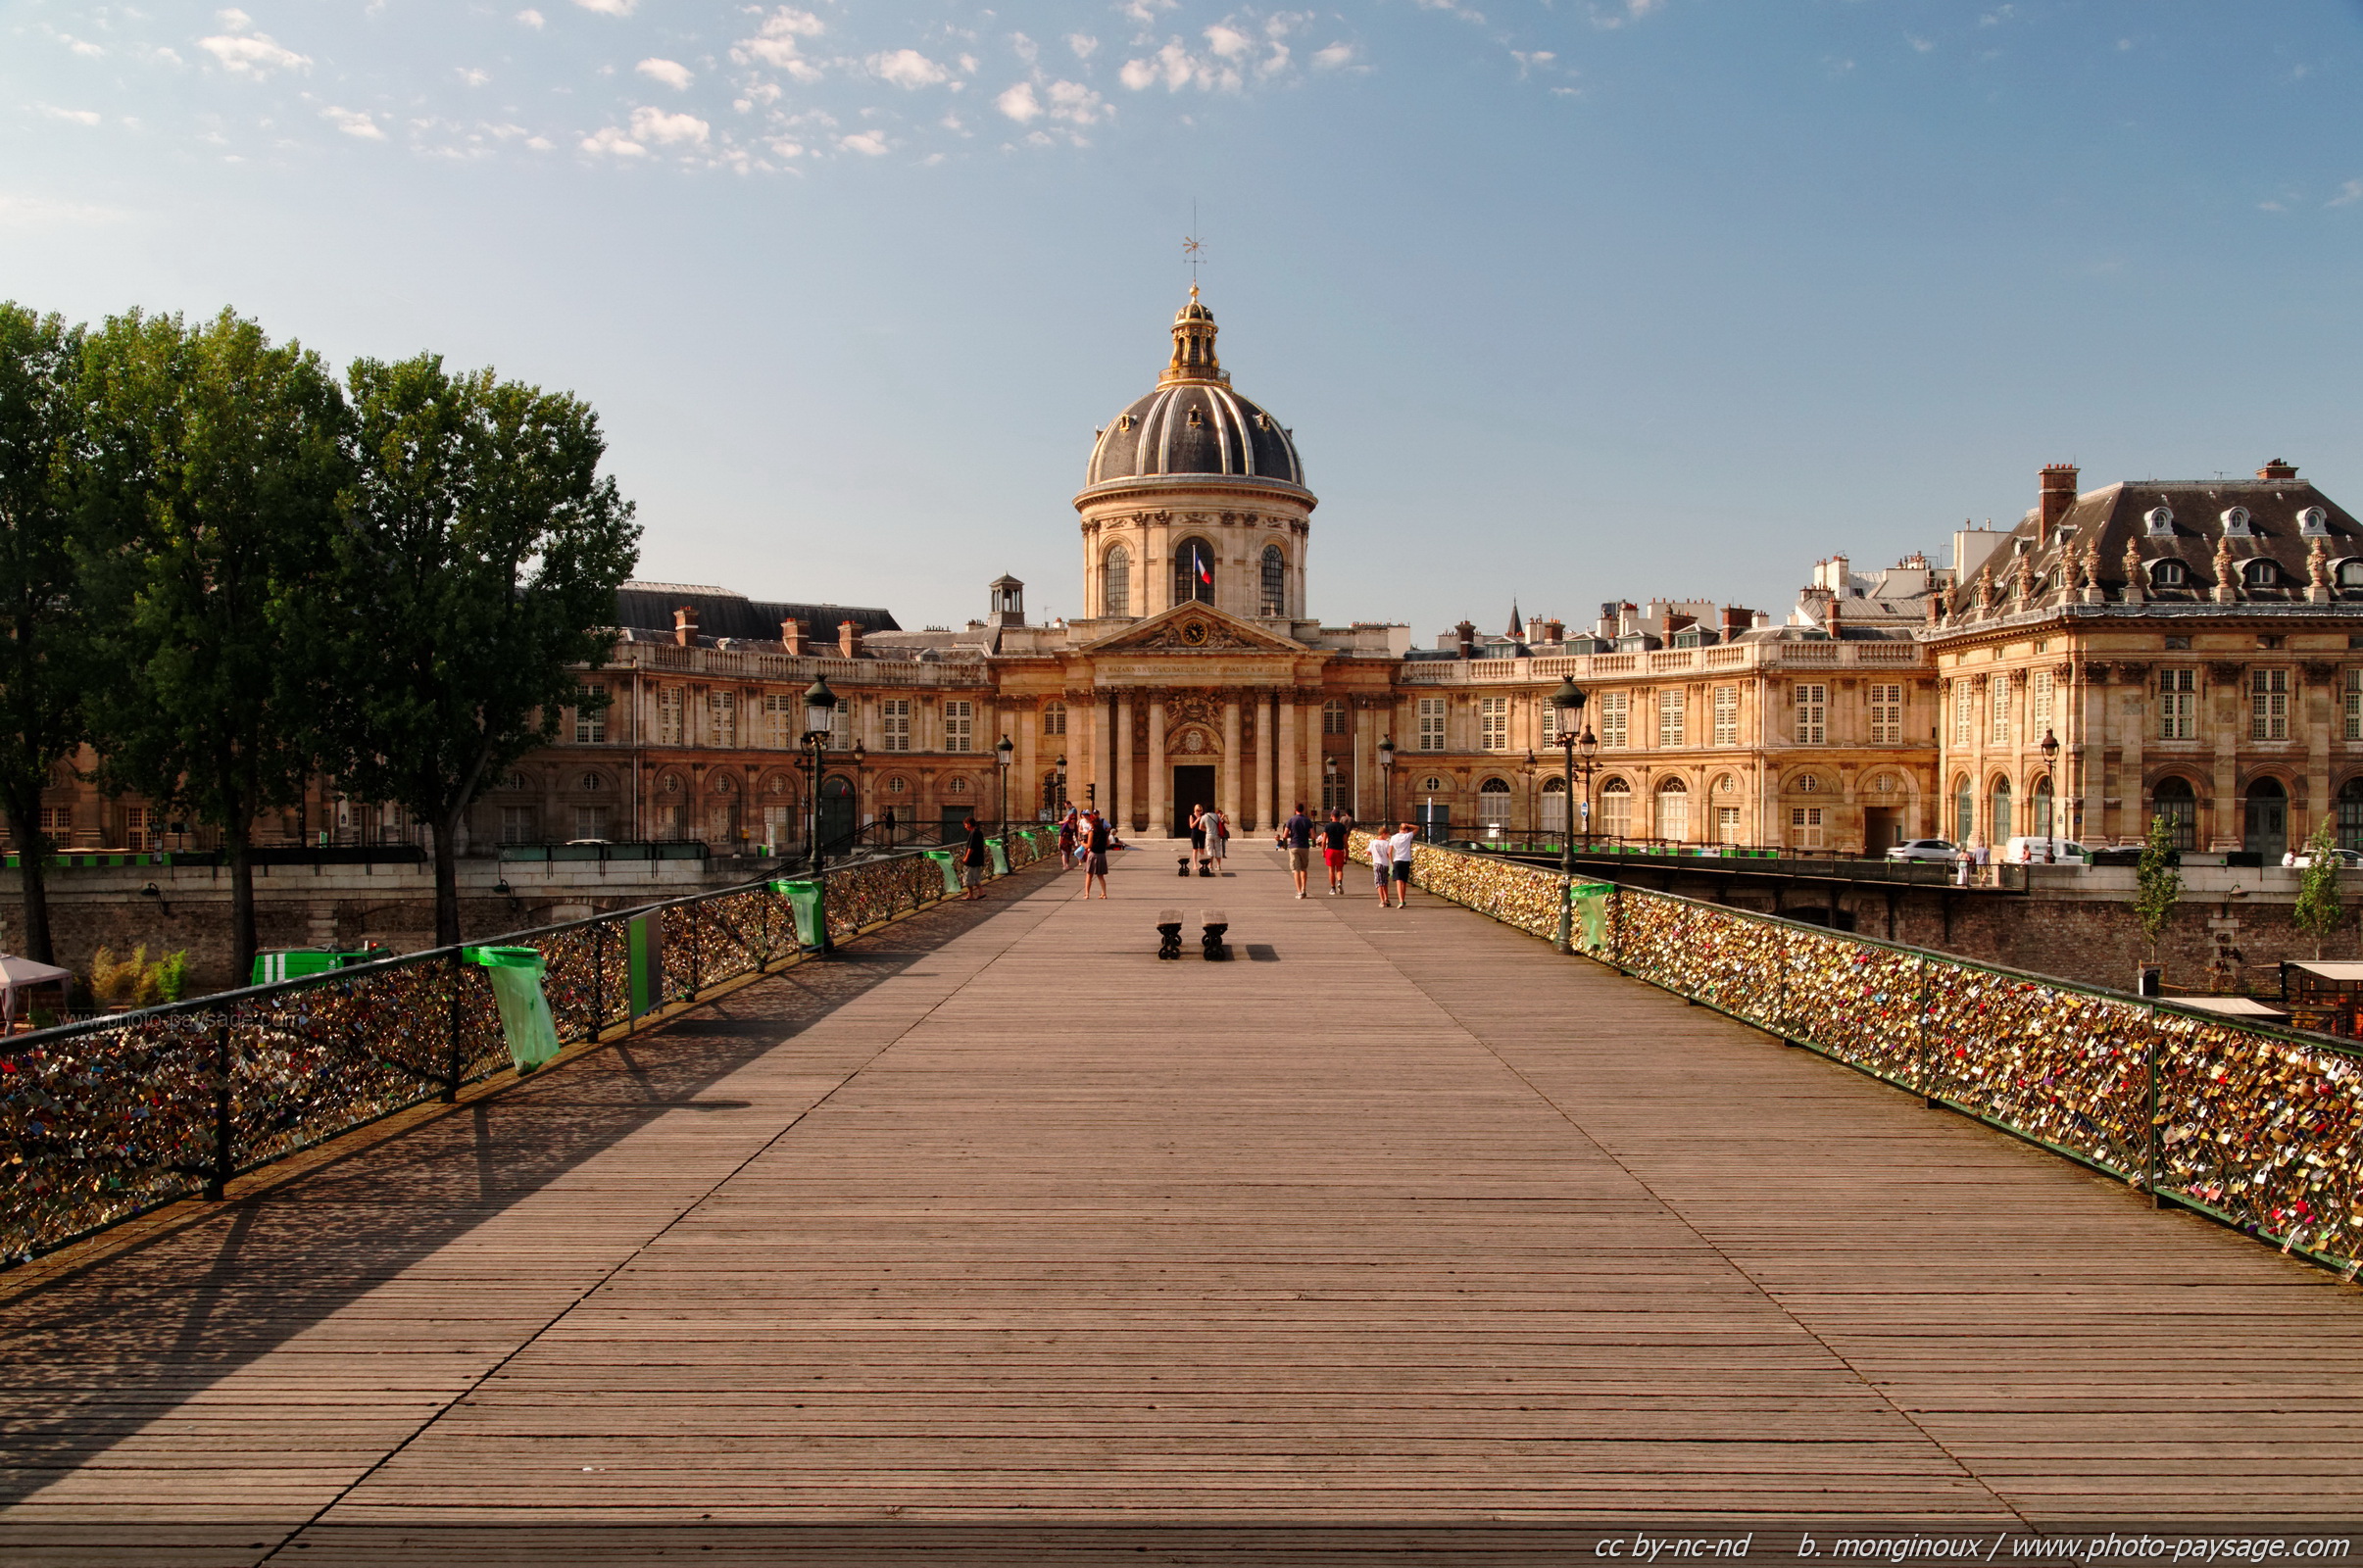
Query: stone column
[
  {"x": 1226, "y": 778},
  {"x": 1025, "y": 790},
  {"x": 1313, "y": 772},
  {"x": 1366, "y": 803},
  {"x": 1285, "y": 737},
  {"x": 1261, "y": 808},
  {"x": 1083, "y": 747},
  {"x": 1120, "y": 792},
  {"x": 1160, "y": 811}
]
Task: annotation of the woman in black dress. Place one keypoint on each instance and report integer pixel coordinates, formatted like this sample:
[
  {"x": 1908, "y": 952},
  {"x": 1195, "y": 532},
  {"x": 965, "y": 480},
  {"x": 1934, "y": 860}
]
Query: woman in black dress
[{"x": 1198, "y": 837}]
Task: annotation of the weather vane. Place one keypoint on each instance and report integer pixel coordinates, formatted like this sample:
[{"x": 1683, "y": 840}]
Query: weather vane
[{"x": 1195, "y": 254}]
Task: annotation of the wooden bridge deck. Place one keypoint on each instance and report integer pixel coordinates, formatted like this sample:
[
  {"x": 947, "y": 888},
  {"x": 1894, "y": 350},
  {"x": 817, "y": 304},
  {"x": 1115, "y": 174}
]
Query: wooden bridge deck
[{"x": 1398, "y": 1221}]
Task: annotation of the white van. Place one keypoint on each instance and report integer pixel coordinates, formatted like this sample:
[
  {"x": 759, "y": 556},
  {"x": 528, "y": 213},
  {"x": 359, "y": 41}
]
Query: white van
[{"x": 2038, "y": 851}]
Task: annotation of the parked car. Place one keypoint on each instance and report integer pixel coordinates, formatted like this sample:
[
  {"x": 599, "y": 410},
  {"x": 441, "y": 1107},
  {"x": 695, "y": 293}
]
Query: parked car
[
  {"x": 2344, "y": 860},
  {"x": 2039, "y": 849},
  {"x": 1923, "y": 850}
]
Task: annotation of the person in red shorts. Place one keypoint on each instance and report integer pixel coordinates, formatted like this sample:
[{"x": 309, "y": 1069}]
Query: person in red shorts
[{"x": 1336, "y": 834}]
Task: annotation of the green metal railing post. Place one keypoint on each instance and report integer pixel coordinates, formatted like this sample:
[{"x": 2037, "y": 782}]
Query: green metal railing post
[{"x": 217, "y": 1180}]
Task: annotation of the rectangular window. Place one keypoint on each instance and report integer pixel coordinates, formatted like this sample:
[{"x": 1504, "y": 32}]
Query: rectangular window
[
  {"x": 2178, "y": 704},
  {"x": 2268, "y": 704},
  {"x": 1053, "y": 718},
  {"x": 841, "y": 725},
  {"x": 590, "y": 717},
  {"x": 1492, "y": 723},
  {"x": 1727, "y": 824},
  {"x": 1998, "y": 712},
  {"x": 1813, "y": 714},
  {"x": 1804, "y": 827},
  {"x": 1672, "y": 721},
  {"x": 1962, "y": 711},
  {"x": 894, "y": 724},
  {"x": 1616, "y": 811},
  {"x": 1615, "y": 714},
  {"x": 1333, "y": 718},
  {"x": 2354, "y": 704},
  {"x": 590, "y": 822},
  {"x": 672, "y": 716},
  {"x": 779, "y": 718},
  {"x": 959, "y": 726},
  {"x": 135, "y": 828},
  {"x": 517, "y": 824},
  {"x": 2039, "y": 688},
  {"x": 1431, "y": 723},
  {"x": 1886, "y": 714},
  {"x": 1727, "y": 716},
  {"x": 721, "y": 716}
]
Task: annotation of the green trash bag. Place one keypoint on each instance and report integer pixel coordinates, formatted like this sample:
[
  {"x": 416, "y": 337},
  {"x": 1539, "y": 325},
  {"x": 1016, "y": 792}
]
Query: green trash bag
[
  {"x": 1000, "y": 853},
  {"x": 804, "y": 897},
  {"x": 515, "y": 975},
  {"x": 1590, "y": 901},
  {"x": 949, "y": 865}
]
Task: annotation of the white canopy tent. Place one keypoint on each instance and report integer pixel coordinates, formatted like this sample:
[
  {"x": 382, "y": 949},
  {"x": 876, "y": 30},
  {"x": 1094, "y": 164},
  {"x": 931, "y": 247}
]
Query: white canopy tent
[{"x": 22, "y": 974}]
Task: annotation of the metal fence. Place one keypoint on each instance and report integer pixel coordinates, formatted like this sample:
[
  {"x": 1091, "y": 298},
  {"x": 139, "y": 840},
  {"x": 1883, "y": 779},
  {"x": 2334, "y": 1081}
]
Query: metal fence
[
  {"x": 2259, "y": 1127},
  {"x": 103, "y": 1120}
]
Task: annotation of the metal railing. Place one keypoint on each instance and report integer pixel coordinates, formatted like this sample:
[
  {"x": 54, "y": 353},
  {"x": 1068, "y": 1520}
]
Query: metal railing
[
  {"x": 2257, "y": 1126},
  {"x": 104, "y": 1120},
  {"x": 1884, "y": 654}
]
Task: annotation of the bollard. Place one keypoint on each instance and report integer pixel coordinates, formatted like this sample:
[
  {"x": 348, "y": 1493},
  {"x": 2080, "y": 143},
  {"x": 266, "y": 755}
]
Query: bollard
[
  {"x": 1168, "y": 933},
  {"x": 1209, "y": 939}
]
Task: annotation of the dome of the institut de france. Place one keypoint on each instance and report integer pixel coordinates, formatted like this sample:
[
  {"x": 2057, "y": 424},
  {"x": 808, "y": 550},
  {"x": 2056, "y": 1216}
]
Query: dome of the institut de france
[{"x": 1195, "y": 492}]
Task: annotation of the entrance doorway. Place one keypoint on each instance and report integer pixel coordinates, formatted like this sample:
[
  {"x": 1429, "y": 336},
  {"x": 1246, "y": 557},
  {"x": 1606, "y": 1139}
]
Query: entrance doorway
[
  {"x": 836, "y": 814},
  {"x": 1881, "y": 825},
  {"x": 2268, "y": 822},
  {"x": 1192, "y": 786}
]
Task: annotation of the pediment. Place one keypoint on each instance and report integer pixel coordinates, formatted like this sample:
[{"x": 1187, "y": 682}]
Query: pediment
[{"x": 1193, "y": 629}]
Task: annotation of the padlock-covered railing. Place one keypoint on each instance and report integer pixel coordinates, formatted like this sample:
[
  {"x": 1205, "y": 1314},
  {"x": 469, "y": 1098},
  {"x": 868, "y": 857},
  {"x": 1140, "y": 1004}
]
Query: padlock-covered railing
[
  {"x": 107, "y": 1118},
  {"x": 2258, "y": 1126}
]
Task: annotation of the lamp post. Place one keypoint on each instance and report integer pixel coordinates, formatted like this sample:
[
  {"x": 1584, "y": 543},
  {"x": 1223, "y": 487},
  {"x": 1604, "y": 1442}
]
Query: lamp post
[
  {"x": 1569, "y": 701},
  {"x": 1533, "y": 813},
  {"x": 2050, "y": 750},
  {"x": 1063, "y": 799},
  {"x": 1329, "y": 778},
  {"x": 1386, "y": 768},
  {"x": 1003, "y": 753},
  {"x": 819, "y": 711}
]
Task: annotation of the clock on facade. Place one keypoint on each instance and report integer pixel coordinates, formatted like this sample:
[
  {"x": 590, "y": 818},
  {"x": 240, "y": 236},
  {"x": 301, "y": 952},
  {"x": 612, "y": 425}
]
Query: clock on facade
[{"x": 1194, "y": 632}]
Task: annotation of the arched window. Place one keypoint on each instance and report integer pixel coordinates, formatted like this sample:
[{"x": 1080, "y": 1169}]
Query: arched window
[
  {"x": 2351, "y": 574},
  {"x": 2261, "y": 574},
  {"x": 1115, "y": 582},
  {"x": 1674, "y": 810},
  {"x": 958, "y": 786},
  {"x": 2038, "y": 814},
  {"x": 1193, "y": 572},
  {"x": 1493, "y": 803},
  {"x": 2001, "y": 807},
  {"x": 1053, "y": 718},
  {"x": 2176, "y": 800},
  {"x": 1554, "y": 806},
  {"x": 1275, "y": 582},
  {"x": 2351, "y": 814},
  {"x": 1965, "y": 812},
  {"x": 2167, "y": 574},
  {"x": 1616, "y": 808},
  {"x": 2265, "y": 827}
]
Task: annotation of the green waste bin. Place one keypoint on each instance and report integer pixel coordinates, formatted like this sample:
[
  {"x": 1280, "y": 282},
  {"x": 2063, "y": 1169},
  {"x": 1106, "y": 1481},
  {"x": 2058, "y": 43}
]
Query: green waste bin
[
  {"x": 949, "y": 863},
  {"x": 515, "y": 975},
  {"x": 804, "y": 897},
  {"x": 1590, "y": 901},
  {"x": 999, "y": 851}
]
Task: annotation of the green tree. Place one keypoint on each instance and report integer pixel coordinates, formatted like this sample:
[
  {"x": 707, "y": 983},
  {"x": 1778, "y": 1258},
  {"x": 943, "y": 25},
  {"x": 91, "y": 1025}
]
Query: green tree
[
  {"x": 2317, "y": 911},
  {"x": 208, "y": 486},
  {"x": 2160, "y": 886},
  {"x": 480, "y": 560},
  {"x": 41, "y": 625}
]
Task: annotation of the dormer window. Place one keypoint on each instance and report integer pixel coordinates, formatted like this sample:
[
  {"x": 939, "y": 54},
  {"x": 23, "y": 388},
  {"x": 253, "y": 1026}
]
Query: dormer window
[
  {"x": 2351, "y": 574},
  {"x": 1125, "y": 423},
  {"x": 2167, "y": 574},
  {"x": 1195, "y": 417},
  {"x": 2235, "y": 522},
  {"x": 2313, "y": 523},
  {"x": 2261, "y": 574},
  {"x": 1263, "y": 421},
  {"x": 2160, "y": 522}
]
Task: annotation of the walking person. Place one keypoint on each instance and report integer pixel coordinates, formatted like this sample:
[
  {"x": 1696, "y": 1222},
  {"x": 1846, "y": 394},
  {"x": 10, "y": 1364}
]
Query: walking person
[
  {"x": 1296, "y": 837},
  {"x": 1400, "y": 851},
  {"x": 1095, "y": 853},
  {"x": 1066, "y": 841},
  {"x": 1218, "y": 839},
  {"x": 1336, "y": 834},
  {"x": 973, "y": 862},
  {"x": 1198, "y": 837},
  {"x": 1382, "y": 864}
]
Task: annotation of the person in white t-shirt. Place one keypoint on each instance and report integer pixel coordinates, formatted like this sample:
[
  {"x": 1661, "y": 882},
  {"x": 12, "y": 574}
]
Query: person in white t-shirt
[
  {"x": 1400, "y": 847},
  {"x": 1382, "y": 863}
]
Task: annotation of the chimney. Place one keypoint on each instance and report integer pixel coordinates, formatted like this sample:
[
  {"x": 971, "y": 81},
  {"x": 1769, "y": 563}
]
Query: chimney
[
  {"x": 1534, "y": 630},
  {"x": 849, "y": 639},
  {"x": 1554, "y": 631},
  {"x": 2058, "y": 495},
  {"x": 1466, "y": 633},
  {"x": 2276, "y": 471},
  {"x": 685, "y": 625},
  {"x": 1736, "y": 620},
  {"x": 791, "y": 637}
]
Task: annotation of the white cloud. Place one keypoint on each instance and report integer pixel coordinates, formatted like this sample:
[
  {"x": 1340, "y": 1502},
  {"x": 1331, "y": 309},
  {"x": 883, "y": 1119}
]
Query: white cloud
[
  {"x": 786, "y": 148},
  {"x": 774, "y": 43},
  {"x": 1083, "y": 44},
  {"x": 909, "y": 69},
  {"x": 1027, "y": 50},
  {"x": 531, "y": 18},
  {"x": 1920, "y": 45},
  {"x": 469, "y": 77},
  {"x": 1021, "y": 104},
  {"x": 655, "y": 124},
  {"x": 612, "y": 143},
  {"x": 353, "y": 123},
  {"x": 37, "y": 213},
  {"x": 244, "y": 52},
  {"x": 671, "y": 72},
  {"x": 78, "y": 116},
  {"x": 1227, "y": 41},
  {"x": 1144, "y": 12},
  {"x": 2348, "y": 194},
  {"x": 870, "y": 143},
  {"x": 81, "y": 46},
  {"x": 1336, "y": 56},
  {"x": 1177, "y": 68},
  {"x": 609, "y": 8}
]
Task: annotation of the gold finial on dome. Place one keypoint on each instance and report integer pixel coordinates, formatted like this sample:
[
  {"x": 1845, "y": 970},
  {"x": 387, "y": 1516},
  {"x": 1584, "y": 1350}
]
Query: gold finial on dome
[{"x": 1194, "y": 357}]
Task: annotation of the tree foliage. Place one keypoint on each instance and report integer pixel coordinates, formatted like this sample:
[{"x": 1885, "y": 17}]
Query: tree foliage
[
  {"x": 479, "y": 547},
  {"x": 2318, "y": 912},
  {"x": 42, "y": 670},
  {"x": 2160, "y": 886},
  {"x": 207, "y": 497}
]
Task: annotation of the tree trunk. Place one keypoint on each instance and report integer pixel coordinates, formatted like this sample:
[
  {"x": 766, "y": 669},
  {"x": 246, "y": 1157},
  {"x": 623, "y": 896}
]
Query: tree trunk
[
  {"x": 235, "y": 835},
  {"x": 32, "y": 861},
  {"x": 447, "y": 881}
]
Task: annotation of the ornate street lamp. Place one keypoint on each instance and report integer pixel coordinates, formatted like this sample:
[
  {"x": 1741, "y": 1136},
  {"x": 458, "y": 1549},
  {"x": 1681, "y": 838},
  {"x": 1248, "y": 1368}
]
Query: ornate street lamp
[
  {"x": 1329, "y": 778},
  {"x": 1386, "y": 769},
  {"x": 1003, "y": 753},
  {"x": 1568, "y": 702},
  {"x": 1063, "y": 799},
  {"x": 2050, "y": 750},
  {"x": 819, "y": 713}
]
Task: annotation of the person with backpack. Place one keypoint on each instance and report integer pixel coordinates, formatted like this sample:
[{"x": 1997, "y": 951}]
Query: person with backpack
[
  {"x": 1095, "y": 852},
  {"x": 1296, "y": 837}
]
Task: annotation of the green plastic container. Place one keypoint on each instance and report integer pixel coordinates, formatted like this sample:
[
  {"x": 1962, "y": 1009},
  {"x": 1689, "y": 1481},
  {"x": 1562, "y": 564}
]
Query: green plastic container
[
  {"x": 949, "y": 865},
  {"x": 1000, "y": 853},
  {"x": 515, "y": 975},
  {"x": 804, "y": 897}
]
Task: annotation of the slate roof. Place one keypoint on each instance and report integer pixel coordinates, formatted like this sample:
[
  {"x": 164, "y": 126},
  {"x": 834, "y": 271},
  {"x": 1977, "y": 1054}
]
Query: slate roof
[
  {"x": 649, "y": 607},
  {"x": 1191, "y": 427}
]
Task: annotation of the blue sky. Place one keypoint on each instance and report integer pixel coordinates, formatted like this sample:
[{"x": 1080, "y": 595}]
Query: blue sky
[{"x": 1565, "y": 301}]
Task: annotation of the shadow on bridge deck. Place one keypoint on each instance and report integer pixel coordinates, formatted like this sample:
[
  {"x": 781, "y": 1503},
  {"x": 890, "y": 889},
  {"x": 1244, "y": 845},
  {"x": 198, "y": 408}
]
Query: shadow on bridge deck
[{"x": 1413, "y": 1224}]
